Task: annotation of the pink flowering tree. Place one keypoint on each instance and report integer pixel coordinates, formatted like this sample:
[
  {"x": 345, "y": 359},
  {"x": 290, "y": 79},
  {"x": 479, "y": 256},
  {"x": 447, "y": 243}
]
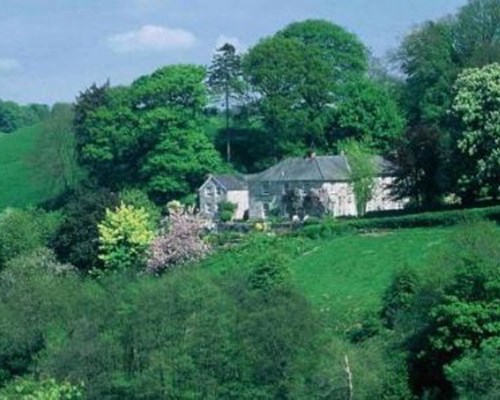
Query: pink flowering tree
[{"x": 180, "y": 240}]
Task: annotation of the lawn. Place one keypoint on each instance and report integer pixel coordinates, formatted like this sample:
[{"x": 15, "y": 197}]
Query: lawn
[
  {"x": 343, "y": 277},
  {"x": 18, "y": 185}
]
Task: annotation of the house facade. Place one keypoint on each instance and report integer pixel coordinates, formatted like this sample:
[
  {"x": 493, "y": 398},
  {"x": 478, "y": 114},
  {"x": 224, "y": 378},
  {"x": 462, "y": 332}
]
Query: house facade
[
  {"x": 329, "y": 174},
  {"x": 218, "y": 188}
]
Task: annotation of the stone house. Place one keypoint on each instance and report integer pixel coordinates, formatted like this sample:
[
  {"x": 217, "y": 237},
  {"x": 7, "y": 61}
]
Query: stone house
[
  {"x": 218, "y": 188},
  {"x": 265, "y": 190}
]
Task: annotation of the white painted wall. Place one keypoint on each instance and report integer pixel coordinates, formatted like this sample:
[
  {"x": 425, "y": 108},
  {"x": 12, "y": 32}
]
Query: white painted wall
[
  {"x": 344, "y": 203},
  {"x": 342, "y": 198},
  {"x": 381, "y": 200},
  {"x": 241, "y": 199}
]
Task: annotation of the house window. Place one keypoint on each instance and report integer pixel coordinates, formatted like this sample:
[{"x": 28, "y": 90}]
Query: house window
[
  {"x": 265, "y": 189},
  {"x": 210, "y": 208},
  {"x": 209, "y": 191}
]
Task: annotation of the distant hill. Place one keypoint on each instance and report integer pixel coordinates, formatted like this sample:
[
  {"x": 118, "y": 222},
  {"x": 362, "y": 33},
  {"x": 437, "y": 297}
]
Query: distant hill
[{"x": 19, "y": 187}]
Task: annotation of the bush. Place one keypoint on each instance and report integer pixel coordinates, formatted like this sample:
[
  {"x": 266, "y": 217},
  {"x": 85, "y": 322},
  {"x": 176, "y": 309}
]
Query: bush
[
  {"x": 124, "y": 236},
  {"x": 22, "y": 231},
  {"x": 226, "y": 210},
  {"x": 47, "y": 389},
  {"x": 179, "y": 241},
  {"x": 77, "y": 239},
  {"x": 331, "y": 228}
]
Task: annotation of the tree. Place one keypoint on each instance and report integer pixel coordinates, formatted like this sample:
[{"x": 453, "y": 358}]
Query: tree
[
  {"x": 225, "y": 81},
  {"x": 180, "y": 240},
  {"x": 344, "y": 53},
  {"x": 420, "y": 159},
  {"x": 295, "y": 89},
  {"x": 477, "y": 374},
  {"x": 476, "y": 106},
  {"x": 177, "y": 166},
  {"x": 10, "y": 116},
  {"x": 22, "y": 231},
  {"x": 454, "y": 309},
  {"x": 362, "y": 172},
  {"x": 427, "y": 58},
  {"x": 477, "y": 33},
  {"x": 368, "y": 113},
  {"x": 124, "y": 236},
  {"x": 148, "y": 135},
  {"x": 77, "y": 239},
  {"x": 54, "y": 153}
]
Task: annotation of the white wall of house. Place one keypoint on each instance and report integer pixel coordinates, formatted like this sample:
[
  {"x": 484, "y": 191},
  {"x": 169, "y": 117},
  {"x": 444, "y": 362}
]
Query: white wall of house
[
  {"x": 381, "y": 200},
  {"x": 342, "y": 198},
  {"x": 241, "y": 199},
  {"x": 344, "y": 201}
]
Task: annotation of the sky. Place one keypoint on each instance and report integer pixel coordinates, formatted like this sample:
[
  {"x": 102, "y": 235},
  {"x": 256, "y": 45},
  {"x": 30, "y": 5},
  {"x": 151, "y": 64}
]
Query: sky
[{"x": 50, "y": 50}]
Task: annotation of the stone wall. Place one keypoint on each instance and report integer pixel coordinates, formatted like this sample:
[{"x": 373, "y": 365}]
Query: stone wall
[{"x": 210, "y": 195}]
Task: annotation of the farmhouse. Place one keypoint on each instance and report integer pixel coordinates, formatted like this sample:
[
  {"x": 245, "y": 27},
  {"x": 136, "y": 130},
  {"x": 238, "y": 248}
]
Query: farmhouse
[{"x": 261, "y": 195}]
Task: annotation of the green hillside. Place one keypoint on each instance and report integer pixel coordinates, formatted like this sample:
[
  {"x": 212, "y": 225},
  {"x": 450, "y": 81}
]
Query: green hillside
[
  {"x": 19, "y": 186},
  {"x": 346, "y": 277},
  {"x": 343, "y": 277}
]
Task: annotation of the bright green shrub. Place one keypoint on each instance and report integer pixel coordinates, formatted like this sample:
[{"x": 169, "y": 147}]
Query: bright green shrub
[
  {"x": 124, "y": 237},
  {"x": 47, "y": 389}
]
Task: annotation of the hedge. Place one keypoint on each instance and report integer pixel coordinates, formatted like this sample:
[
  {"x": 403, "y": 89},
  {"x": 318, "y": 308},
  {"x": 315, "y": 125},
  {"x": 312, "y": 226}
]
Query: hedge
[{"x": 332, "y": 227}]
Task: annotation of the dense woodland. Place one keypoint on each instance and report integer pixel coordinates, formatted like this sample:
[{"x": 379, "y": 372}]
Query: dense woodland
[{"x": 112, "y": 287}]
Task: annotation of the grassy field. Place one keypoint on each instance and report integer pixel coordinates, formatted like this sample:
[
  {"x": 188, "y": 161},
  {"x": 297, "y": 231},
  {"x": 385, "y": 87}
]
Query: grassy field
[
  {"x": 343, "y": 277},
  {"x": 346, "y": 277},
  {"x": 19, "y": 186}
]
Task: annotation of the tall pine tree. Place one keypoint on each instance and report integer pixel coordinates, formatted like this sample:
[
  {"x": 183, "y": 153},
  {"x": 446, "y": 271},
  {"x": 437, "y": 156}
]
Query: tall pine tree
[{"x": 225, "y": 83}]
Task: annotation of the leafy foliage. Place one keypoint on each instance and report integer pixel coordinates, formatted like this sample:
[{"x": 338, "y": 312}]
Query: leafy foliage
[
  {"x": 77, "y": 239},
  {"x": 362, "y": 170},
  {"x": 476, "y": 104},
  {"x": 179, "y": 241},
  {"x": 226, "y": 210},
  {"x": 455, "y": 309},
  {"x": 476, "y": 375},
  {"x": 54, "y": 156},
  {"x": 124, "y": 236},
  {"x": 23, "y": 231},
  {"x": 14, "y": 116},
  {"x": 47, "y": 389},
  {"x": 149, "y": 134}
]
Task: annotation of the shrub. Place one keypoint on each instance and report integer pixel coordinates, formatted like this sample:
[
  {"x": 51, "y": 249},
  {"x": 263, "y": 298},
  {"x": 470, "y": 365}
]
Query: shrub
[
  {"x": 28, "y": 388},
  {"x": 330, "y": 228},
  {"x": 77, "y": 239},
  {"x": 180, "y": 240},
  {"x": 22, "y": 231},
  {"x": 226, "y": 210},
  {"x": 124, "y": 236}
]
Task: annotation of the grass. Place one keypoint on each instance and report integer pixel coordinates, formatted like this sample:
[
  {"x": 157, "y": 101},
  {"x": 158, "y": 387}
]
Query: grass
[
  {"x": 18, "y": 185},
  {"x": 346, "y": 276}
]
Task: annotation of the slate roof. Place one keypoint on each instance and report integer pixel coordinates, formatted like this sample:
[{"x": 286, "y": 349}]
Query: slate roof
[
  {"x": 232, "y": 182},
  {"x": 317, "y": 168}
]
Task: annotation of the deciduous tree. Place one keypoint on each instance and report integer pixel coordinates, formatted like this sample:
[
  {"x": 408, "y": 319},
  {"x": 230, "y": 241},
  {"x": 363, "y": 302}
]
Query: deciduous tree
[{"x": 477, "y": 106}]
